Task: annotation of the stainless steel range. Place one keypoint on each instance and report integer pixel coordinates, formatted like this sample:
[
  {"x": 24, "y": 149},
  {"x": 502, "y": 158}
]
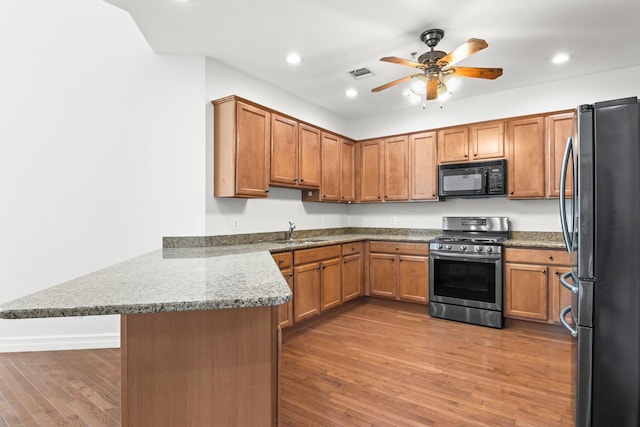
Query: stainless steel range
[{"x": 465, "y": 270}]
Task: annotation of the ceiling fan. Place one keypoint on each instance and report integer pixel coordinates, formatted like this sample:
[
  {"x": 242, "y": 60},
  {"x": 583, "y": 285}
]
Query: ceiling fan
[{"x": 436, "y": 66}]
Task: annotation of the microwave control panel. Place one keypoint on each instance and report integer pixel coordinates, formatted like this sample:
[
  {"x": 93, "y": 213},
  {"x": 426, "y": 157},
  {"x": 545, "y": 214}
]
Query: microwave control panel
[{"x": 495, "y": 181}]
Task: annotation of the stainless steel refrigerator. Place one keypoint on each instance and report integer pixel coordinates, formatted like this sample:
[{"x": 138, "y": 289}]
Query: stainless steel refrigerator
[{"x": 601, "y": 224}]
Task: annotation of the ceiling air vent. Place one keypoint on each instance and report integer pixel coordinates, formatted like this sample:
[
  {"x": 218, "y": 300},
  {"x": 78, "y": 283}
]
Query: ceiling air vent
[{"x": 360, "y": 73}]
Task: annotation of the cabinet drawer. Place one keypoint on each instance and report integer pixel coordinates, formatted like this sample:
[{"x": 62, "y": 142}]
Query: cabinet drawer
[
  {"x": 304, "y": 256},
  {"x": 283, "y": 260},
  {"x": 537, "y": 256},
  {"x": 399, "y": 248},
  {"x": 352, "y": 248}
]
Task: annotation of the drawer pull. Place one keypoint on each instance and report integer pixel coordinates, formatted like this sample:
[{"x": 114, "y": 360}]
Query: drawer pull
[
  {"x": 550, "y": 256},
  {"x": 543, "y": 271}
]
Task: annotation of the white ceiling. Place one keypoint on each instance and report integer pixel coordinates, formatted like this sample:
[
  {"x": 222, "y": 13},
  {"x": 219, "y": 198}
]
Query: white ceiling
[{"x": 335, "y": 36}]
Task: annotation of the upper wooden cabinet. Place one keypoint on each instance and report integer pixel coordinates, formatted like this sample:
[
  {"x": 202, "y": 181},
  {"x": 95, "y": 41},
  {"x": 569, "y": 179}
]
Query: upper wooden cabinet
[
  {"x": 525, "y": 160},
  {"x": 559, "y": 128},
  {"x": 331, "y": 150},
  {"x": 371, "y": 164},
  {"x": 348, "y": 166},
  {"x": 453, "y": 145},
  {"x": 423, "y": 168},
  {"x": 479, "y": 141},
  {"x": 240, "y": 152},
  {"x": 295, "y": 153},
  {"x": 396, "y": 168}
]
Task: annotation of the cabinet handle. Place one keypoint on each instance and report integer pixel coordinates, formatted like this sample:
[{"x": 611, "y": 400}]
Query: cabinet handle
[
  {"x": 397, "y": 248},
  {"x": 543, "y": 271},
  {"x": 511, "y": 192},
  {"x": 550, "y": 257},
  {"x": 401, "y": 260},
  {"x": 324, "y": 196},
  {"x": 466, "y": 155},
  {"x": 475, "y": 155},
  {"x": 281, "y": 261},
  {"x": 318, "y": 269},
  {"x": 557, "y": 273},
  {"x": 433, "y": 195},
  {"x": 353, "y": 249},
  {"x": 266, "y": 191},
  {"x": 290, "y": 276},
  {"x": 301, "y": 179},
  {"x": 378, "y": 197},
  {"x": 343, "y": 197}
]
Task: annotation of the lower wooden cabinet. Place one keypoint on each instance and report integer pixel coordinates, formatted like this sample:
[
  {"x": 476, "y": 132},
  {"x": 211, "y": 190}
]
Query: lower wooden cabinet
[
  {"x": 284, "y": 262},
  {"x": 317, "y": 281},
  {"x": 399, "y": 270},
  {"x": 352, "y": 277},
  {"x": 532, "y": 288}
]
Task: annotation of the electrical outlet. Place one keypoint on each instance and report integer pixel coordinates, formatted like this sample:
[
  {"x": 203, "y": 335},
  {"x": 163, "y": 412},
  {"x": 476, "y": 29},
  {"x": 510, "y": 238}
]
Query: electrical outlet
[
  {"x": 394, "y": 220},
  {"x": 235, "y": 224}
]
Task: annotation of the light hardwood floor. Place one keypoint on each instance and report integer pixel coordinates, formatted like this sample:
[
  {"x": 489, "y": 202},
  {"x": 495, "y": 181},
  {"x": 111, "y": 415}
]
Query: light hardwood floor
[{"x": 374, "y": 364}]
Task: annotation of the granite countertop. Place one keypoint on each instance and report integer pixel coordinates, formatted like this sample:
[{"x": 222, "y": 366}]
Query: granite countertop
[{"x": 239, "y": 273}]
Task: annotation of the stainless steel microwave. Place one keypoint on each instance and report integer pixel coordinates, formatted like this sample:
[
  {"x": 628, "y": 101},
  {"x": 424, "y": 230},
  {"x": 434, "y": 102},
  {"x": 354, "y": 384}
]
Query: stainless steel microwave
[{"x": 472, "y": 179}]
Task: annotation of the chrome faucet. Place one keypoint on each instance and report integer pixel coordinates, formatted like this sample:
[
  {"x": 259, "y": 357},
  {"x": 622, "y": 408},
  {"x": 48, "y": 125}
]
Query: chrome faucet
[{"x": 292, "y": 227}]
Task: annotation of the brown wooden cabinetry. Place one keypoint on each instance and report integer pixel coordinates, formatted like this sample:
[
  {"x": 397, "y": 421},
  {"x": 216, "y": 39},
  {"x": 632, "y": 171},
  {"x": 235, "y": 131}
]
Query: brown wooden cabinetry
[
  {"x": 241, "y": 146},
  {"x": 532, "y": 283},
  {"x": 284, "y": 262},
  {"x": 352, "y": 278},
  {"x": 423, "y": 173},
  {"x": 399, "y": 270},
  {"x": 295, "y": 153},
  {"x": 396, "y": 168},
  {"x": 330, "y": 185},
  {"x": 525, "y": 160},
  {"x": 559, "y": 128},
  {"x": 317, "y": 281},
  {"x": 479, "y": 141},
  {"x": 371, "y": 164},
  {"x": 348, "y": 166}
]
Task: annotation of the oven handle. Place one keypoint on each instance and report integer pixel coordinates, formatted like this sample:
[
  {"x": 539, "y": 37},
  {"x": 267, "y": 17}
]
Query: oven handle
[{"x": 466, "y": 257}]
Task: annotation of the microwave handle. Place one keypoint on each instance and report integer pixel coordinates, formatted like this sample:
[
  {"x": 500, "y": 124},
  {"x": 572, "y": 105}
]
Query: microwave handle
[{"x": 563, "y": 197}]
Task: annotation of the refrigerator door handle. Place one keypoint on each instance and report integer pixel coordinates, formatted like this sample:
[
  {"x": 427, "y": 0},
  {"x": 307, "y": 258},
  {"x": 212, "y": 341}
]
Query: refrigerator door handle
[
  {"x": 563, "y": 197},
  {"x": 563, "y": 280},
  {"x": 563, "y": 313}
]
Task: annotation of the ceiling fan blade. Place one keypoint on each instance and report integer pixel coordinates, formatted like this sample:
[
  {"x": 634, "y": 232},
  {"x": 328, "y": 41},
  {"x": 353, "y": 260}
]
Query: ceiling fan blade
[
  {"x": 467, "y": 49},
  {"x": 432, "y": 89},
  {"x": 395, "y": 82},
  {"x": 476, "y": 72},
  {"x": 396, "y": 60}
]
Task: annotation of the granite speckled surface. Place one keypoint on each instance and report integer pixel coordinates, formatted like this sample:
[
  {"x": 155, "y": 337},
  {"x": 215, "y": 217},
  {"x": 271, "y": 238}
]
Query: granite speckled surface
[
  {"x": 209, "y": 272},
  {"x": 154, "y": 283}
]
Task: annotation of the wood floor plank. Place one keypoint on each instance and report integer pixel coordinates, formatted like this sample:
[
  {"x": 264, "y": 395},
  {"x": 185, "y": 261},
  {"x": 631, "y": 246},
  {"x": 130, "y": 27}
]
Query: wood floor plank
[{"x": 377, "y": 363}]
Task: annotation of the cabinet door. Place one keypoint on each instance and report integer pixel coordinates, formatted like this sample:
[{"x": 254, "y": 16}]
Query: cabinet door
[
  {"x": 382, "y": 275},
  {"x": 525, "y": 291},
  {"x": 351, "y": 277},
  {"x": 526, "y": 158},
  {"x": 559, "y": 296},
  {"x": 413, "y": 278},
  {"x": 306, "y": 291},
  {"x": 559, "y": 128},
  {"x": 309, "y": 157},
  {"x": 423, "y": 174},
  {"x": 396, "y": 168},
  {"x": 286, "y": 310},
  {"x": 348, "y": 181},
  {"x": 331, "y": 280},
  {"x": 371, "y": 171},
  {"x": 284, "y": 150},
  {"x": 331, "y": 149},
  {"x": 453, "y": 145},
  {"x": 252, "y": 150},
  {"x": 487, "y": 140}
]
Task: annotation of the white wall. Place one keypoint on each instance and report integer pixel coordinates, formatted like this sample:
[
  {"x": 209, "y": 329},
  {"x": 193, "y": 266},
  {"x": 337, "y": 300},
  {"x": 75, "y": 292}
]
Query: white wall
[
  {"x": 102, "y": 148},
  {"x": 283, "y": 204},
  {"x": 526, "y": 215}
]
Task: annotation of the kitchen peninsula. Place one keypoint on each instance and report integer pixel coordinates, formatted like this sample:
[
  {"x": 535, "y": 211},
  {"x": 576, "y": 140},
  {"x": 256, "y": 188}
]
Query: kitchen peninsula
[{"x": 199, "y": 332}]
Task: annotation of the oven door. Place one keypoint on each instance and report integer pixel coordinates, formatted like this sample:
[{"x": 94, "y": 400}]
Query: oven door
[{"x": 466, "y": 279}]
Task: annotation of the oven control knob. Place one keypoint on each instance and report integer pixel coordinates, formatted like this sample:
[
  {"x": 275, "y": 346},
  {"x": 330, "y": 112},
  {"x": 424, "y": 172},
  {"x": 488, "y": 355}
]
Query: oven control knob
[
  {"x": 439, "y": 246},
  {"x": 448, "y": 246},
  {"x": 489, "y": 249},
  {"x": 463, "y": 247},
  {"x": 478, "y": 248}
]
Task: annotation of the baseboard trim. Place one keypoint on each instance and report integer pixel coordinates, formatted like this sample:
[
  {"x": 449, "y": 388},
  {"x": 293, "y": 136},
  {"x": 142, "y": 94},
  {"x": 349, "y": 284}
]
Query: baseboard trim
[{"x": 59, "y": 342}]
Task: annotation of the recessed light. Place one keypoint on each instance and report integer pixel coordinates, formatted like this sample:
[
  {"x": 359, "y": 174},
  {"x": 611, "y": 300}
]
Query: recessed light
[
  {"x": 293, "y": 58},
  {"x": 561, "y": 58},
  {"x": 351, "y": 93}
]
